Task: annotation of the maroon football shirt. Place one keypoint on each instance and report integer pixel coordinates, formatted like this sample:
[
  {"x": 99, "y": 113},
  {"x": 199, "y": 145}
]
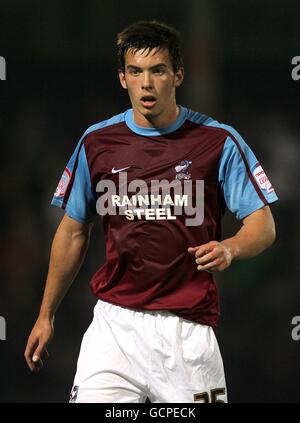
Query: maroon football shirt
[{"x": 202, "y": 166}]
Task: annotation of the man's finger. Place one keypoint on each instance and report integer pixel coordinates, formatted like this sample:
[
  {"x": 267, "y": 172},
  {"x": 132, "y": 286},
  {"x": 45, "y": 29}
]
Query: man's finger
[
  {"x": 36, "y": 356},
  {"x": 203, "y": 251},
  {"x": 199, "y": 251},
  {"x": 30, "y": 347},
  {"x": 206, "y": 258},
  {"x": 37, "y": 363},
  {"x": 214, "y": 264},
  {"x": 192, "y": 250}
]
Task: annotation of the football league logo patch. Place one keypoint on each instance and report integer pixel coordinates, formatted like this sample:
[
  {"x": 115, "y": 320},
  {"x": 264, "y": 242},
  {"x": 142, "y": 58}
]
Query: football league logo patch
[
  {"x": 63, "y": 183},
  {"x": 182, "y": 170},
  {"x": 262, "y": 179}
]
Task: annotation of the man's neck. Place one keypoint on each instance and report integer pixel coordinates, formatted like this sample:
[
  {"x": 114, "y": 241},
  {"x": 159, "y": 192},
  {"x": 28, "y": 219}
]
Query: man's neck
[{"x": 160, "y": 121}]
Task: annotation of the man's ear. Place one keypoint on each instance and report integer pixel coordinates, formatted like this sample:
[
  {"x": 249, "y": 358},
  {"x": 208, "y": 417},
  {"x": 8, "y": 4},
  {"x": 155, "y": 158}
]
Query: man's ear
[
  {"x": 122, "y": 79},
  {"x": 179, "y": 76}
]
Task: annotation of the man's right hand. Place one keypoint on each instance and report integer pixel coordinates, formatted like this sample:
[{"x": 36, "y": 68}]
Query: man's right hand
[
  {"x": 36, "y": 350},
  {"x": 71, "y": 238}
]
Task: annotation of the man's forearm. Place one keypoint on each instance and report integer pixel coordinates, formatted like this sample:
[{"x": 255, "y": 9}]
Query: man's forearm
[
  {"x": 256, "y": 234},
  {"x": 67, "y": 254}
]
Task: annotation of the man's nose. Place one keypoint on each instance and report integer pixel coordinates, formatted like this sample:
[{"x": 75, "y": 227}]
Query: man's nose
[{"x": 146, "y": 82}]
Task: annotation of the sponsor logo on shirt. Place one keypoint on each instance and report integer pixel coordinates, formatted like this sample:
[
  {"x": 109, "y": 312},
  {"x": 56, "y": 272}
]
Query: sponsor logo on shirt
[
  {"x": 63, "y": 183},
  {"x": 159, "y": 200},
  {"x": 262, "y": 179},
  {"x": 119, "y": 170}
]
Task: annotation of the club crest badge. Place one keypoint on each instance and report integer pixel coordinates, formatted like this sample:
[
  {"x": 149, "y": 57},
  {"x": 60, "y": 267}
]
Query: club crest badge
[{"x": 182, "y": 170}]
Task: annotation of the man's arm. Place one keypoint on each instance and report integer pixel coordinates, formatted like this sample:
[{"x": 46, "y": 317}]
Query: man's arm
[
  {"x": 68, "y": 250},
  {"x": 256, "y": 234}
]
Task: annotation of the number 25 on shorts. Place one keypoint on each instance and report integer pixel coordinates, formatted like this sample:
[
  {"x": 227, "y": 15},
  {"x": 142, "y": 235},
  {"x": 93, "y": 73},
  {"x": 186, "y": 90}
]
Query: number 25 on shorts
[{"x": 205, "y": 397}]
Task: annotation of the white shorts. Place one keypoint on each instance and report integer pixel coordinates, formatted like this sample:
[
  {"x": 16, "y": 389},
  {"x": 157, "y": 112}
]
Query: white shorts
[{"x": 127, "y": 356}]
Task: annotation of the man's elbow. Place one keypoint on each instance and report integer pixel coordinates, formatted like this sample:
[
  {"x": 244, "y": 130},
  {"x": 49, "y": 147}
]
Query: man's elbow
[
  {"x": 272, "y": 237},
  {"x": 271, "y": 234}
]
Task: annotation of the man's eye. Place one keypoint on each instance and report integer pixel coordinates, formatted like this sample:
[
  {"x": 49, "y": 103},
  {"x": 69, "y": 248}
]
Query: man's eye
[
  {"x": 158, "y": 70},
  {"x": 134, "y": 71}
]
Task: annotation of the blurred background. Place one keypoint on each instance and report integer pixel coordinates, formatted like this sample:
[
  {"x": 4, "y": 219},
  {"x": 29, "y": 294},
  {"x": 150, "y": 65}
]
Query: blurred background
[{"x": 61, "y": 78}]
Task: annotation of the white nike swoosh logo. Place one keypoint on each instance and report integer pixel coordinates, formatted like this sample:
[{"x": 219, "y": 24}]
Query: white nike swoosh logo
[{"x": 119, "y": 170}]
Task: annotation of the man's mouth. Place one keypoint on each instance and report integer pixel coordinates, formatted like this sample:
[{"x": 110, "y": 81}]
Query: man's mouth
[{"x": 148, "y": 101}]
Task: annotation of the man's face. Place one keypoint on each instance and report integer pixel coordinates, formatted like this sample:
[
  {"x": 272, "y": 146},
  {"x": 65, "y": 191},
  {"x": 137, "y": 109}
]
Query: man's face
[{"x": 151, "y": 82}]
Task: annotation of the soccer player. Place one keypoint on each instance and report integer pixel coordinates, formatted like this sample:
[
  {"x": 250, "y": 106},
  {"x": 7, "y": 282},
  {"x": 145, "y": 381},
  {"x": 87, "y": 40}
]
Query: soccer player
[{"x": 160, "y": 176}]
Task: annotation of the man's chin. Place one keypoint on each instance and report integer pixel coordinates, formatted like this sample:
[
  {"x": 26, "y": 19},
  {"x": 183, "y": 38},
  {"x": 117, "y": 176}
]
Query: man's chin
[{"x": 149, "y": 112}]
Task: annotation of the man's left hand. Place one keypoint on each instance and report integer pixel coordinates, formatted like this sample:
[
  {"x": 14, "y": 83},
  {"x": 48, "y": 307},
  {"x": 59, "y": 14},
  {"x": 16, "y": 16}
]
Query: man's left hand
[{"x": 213, "y": 256}]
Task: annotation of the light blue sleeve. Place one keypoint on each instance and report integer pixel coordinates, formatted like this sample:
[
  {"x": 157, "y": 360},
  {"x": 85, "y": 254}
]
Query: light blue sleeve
[
  {"x": 74, "y": 192},
  {"x": 245, "y": 186}
]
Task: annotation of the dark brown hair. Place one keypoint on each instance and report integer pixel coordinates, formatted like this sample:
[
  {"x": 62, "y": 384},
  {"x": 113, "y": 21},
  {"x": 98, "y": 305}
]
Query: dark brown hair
[{"x": 145, "y": 35}]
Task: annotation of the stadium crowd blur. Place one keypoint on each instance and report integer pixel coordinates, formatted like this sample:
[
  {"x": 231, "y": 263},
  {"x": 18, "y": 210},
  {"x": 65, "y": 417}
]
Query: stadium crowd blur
[{"x": 61, "y": 78}]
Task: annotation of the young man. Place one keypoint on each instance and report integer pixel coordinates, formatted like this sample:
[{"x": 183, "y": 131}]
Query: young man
[{"x": 160, "y": 176}]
